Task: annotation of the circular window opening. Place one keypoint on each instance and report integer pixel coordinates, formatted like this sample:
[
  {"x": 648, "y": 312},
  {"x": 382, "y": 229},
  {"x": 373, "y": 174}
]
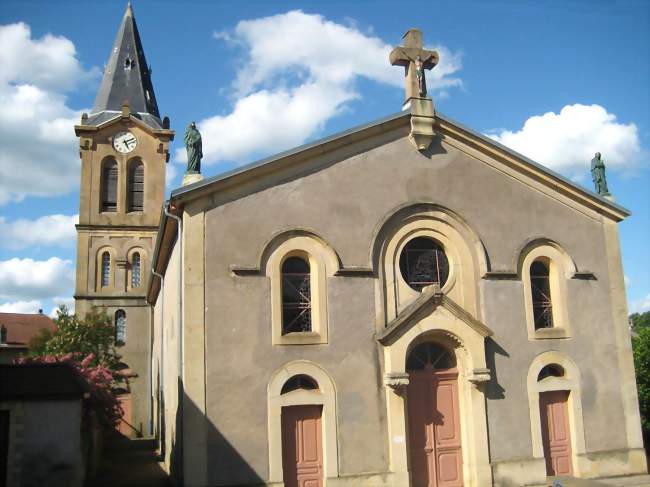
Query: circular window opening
[{"x": 423, "y": 262}]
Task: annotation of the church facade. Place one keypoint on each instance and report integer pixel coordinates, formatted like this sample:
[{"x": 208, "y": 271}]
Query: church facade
[
  {"x": 360, "y": 312},
  {"x": 403, "y": 303}
]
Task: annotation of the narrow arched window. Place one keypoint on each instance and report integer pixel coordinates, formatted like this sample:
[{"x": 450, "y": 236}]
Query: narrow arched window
[
  {"x": 136, "y": 187},
  {"x": 106, "y": 269},
  {"x": 120, "y": 327},
  {"x": 135, "y": 270},
  {"x": 296, "y": 296},
  {"x": 540, "y": 285},
  {"x": 109, "y": 186}
]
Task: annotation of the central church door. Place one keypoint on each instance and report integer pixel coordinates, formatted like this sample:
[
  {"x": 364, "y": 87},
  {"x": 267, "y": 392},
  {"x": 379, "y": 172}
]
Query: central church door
[
  {"x": 302, "y": 446},
  {"x": 435, "y": 452}
]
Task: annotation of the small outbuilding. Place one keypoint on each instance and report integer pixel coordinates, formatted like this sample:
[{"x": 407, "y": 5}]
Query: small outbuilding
[{"x": 41, "y": 431}]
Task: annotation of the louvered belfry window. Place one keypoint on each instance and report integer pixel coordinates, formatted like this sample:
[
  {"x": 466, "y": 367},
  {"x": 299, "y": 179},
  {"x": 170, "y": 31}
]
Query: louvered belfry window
[
  {"x": 109, "y": 186},
  {"x": 541, "y": 289},
  {"x": 136, "y": 187},
  {"x": 135, "y": 271},
  {"x": 296, "y": 296},
  {"x": 106, "y": 269}
]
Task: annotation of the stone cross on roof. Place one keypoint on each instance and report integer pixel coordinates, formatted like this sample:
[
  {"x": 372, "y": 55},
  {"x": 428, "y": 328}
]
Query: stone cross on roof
[{"x": 415, "y": 60}]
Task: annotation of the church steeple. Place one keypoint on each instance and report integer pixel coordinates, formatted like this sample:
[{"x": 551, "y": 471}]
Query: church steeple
[{"x": 127, "y": 76}]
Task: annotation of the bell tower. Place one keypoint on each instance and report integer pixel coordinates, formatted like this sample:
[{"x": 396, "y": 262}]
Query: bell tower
[{"x": 124, "y": 147}]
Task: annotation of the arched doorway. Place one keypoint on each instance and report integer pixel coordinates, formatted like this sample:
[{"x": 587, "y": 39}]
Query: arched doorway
[{"x": 435, "y": 452}]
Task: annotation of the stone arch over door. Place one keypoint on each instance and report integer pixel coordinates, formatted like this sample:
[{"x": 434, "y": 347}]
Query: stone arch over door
[
  {"x": 324, "y": 396},
  {"x": 570, "y": 382},
  {"x": 468, "y": 344}
]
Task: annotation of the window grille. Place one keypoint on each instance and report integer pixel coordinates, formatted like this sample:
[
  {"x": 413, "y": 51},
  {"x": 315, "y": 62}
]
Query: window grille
[
  {"x": 429, "y": 356},
  {"x": 120, "y": 327},
  {"x": 296, "y": 296},
  {"x": 136, "y": 187},
  {"x": 541, "y": 291},
  {"x": 109, "y": 187},
  {"x": 106, "y": 269},
  {"x": 135, "y": 270},
  {"x": 423, "y": 262},
  {"x": 299, "y": 382}
]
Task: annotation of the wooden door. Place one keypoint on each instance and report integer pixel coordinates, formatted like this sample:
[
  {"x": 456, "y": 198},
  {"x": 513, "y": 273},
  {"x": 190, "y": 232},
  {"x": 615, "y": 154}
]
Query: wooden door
[
  {"x": 556, "y": 434},
  {"x": 435, "y": 451},
  {"x": 125, "y": 425},
  {"x": 302, "y": 446}
]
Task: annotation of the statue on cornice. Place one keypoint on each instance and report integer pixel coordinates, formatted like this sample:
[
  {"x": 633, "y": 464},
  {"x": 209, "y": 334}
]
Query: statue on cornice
[
  {"x": 598, "y": 175},
  {"x": 194, "y": 147}
]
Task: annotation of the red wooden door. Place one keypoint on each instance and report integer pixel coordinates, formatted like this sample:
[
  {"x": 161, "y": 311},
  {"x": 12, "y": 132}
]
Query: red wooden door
[
  {"x": 556, "y": 434},
  {"x": 302, "y": 446},
  {"x": 434, "y": 429}
]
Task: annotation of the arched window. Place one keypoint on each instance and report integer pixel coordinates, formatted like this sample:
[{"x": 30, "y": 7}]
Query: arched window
[
  {"x": 136, "y": 186},
  {"x": 429, "y": 356},
  {"x": 423, "y": 262},
  {"x": 540, "y": 286},
  {"x": 120, "y": 327},
  {"x": 109, "y": 186},
  {"x": 299, "y": 382},
  {"x": 551, "y": 370},
  {"x": 106, "y": 269},
  {"x": 296, "y": 296},
  {"x": 136, "y": 270}
]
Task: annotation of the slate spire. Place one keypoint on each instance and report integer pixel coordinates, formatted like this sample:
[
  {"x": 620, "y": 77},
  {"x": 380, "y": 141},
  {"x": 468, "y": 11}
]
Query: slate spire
[{"x": 127, "y": 76}]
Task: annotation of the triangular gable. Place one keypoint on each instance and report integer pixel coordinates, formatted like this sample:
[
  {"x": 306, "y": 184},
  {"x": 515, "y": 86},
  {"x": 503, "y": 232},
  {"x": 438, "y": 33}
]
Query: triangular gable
[
  {"x": 427, "y": 302},
  {"x": 304, "y": 155}
]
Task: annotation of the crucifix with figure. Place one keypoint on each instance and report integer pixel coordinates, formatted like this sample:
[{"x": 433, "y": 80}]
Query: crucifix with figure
[{"x": 415, "y": 60}]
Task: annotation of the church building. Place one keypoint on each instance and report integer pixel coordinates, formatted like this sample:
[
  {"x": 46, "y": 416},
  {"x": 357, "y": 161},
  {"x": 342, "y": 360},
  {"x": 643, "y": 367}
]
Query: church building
[{"x": 405, "y": 303}]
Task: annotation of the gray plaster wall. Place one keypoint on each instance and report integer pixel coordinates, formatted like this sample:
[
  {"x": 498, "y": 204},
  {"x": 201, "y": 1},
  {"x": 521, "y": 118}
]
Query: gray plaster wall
[
  {"x": 51, "y": 449},
  {"x": 345, "y": 203}
]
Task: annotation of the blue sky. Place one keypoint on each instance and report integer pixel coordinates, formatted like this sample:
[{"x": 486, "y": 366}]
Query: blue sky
[{"x": 556, "y": 81}]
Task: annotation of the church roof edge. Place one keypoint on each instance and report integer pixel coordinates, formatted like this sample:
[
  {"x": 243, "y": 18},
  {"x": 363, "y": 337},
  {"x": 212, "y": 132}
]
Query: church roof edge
[
  {"x": 620, "y": 211},
  {"x": 536, "y": 165}
]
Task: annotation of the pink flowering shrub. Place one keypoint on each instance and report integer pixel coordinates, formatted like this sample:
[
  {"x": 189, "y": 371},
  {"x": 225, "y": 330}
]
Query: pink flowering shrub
[
  {"x": 88, "y": 345},
  {"x": 100, "y": 398}
]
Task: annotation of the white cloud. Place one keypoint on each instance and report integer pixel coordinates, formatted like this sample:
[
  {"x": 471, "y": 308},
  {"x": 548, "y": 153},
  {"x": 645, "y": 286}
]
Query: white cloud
[
  {"x": 58, "y": 301},
  {"x": 28, "y": 279},
  {"x": 297, "y": 72},
  {"x": 640, "y": 305},
  {"x": 36, "y": 124},
  {"x": 51, "y": 230},
  {"x": 21, "y": 307},
  {"x": 567, "y": 141}
]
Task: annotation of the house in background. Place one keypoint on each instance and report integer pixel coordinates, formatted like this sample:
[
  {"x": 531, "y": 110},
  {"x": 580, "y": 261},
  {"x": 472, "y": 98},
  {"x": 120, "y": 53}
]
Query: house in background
[{"x": 17, "y": 329}]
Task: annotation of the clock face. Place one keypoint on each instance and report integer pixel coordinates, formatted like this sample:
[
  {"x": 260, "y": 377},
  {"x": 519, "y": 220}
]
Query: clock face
[{"x": 124, "y": 142}]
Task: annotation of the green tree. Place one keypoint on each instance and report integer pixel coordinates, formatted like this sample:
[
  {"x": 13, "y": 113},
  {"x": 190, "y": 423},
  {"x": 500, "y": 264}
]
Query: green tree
[
  {"x": 93, "y": 334},
  {"x": 641, "y": 350},
  {"x": 640, "y": 320},
  {"x": 38, "y": 342},
  {"x": 88, "y": 345}
]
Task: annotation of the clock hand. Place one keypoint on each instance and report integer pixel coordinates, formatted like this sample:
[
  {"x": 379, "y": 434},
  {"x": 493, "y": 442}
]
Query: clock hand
[{"x": 125, "y": 144}]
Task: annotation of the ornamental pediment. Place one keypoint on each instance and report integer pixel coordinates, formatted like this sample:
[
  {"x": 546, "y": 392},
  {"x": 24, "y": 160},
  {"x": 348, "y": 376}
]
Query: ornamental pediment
[{"x": 430, "y": 299}]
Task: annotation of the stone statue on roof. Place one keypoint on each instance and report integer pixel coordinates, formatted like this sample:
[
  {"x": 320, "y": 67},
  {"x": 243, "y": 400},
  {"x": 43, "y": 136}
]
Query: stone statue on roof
[
  {"x": 598, "y": 175},
  {"x": 194, "y": 147}
]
